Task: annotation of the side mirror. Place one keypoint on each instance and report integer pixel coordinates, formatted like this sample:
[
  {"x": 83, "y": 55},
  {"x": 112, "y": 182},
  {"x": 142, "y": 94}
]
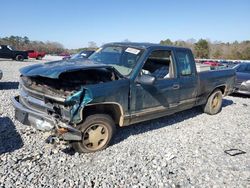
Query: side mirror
[{"x": 146, "y": 79}]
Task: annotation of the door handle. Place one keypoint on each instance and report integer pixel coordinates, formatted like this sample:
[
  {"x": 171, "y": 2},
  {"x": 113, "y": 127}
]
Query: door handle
[{"x": 176, "y": 86}]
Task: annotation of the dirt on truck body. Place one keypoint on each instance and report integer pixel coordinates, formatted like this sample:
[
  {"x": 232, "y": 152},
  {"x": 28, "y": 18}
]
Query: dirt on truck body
[{"x": 82, "y": 101}]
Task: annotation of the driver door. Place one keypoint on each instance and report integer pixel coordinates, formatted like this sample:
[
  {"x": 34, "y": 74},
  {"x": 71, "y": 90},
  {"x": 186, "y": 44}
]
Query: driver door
[{"x": 160, "y": 97}]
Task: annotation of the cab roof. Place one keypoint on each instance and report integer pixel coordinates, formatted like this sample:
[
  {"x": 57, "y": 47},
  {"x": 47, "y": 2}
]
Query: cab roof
[{"x": 142, "y": 45}]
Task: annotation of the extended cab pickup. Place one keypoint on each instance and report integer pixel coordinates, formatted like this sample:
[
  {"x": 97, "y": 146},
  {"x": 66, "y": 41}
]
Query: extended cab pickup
[
  {"x": 10, "y": 52},
  {"x": 82, "y": 101},
  {"x": 36, "y": 55}
]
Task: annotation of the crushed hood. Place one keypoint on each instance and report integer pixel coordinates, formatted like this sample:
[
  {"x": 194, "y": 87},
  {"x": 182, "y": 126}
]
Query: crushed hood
[{"x": 55, "y": 68}]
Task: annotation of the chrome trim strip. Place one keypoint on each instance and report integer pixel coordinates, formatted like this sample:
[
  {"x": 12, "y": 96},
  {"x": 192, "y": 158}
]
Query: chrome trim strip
[
  {"x": 32, "y": 100},
  {"x": 149, "y": 110},
  {"x": 188, "y": 100},
  {"x": 162, "y": 108}
]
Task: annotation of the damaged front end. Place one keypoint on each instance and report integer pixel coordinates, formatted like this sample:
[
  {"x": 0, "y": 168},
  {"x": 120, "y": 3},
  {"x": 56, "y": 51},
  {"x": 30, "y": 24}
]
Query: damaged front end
[{"x": 55, "y": 104}]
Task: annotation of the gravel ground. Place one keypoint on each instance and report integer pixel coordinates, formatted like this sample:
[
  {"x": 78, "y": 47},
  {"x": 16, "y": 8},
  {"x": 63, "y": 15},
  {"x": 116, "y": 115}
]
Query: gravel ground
[{"x": 182, "y": 150}]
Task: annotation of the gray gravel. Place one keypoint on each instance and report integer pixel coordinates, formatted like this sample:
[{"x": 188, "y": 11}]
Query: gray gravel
[{"x": 182, "y": 150}]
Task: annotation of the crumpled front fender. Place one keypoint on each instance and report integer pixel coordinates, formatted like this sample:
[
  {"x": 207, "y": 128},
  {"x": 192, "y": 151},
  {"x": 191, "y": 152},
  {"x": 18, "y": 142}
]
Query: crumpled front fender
[{"x": 78, "y": 101}]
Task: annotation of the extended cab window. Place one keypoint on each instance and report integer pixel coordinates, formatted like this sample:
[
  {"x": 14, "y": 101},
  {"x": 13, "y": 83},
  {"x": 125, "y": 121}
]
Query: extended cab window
[
  {"x": 159, "y": 64},
  {"x": 185, "y": 62}
]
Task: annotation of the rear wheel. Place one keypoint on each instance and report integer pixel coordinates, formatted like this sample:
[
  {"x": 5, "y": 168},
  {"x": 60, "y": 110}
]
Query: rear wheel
[
  {"x": 214, "y": 103},
  {"x": 97, "y": 132},
  {"x": 19, "y": 58}
]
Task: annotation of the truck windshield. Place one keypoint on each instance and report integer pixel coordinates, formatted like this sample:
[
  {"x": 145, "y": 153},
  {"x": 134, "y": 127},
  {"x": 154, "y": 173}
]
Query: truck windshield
[{"x": 122, "y": 59}]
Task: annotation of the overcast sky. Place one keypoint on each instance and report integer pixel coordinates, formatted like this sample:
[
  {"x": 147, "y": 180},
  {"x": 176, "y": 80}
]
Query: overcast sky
[{"x": 76, "y": 22}]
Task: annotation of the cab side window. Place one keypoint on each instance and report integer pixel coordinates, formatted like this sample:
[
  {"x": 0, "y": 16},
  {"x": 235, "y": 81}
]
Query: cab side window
[
  {"x": 184, "y": 60},
  {"x": 159, "y": 64}
]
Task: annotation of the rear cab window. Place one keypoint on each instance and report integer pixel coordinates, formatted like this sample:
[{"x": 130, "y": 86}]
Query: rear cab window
[{"x": 186, "y": 64}]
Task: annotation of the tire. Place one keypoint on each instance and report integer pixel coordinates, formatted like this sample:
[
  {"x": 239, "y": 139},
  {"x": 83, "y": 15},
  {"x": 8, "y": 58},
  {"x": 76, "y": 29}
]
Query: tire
[
  {"x": 19, "y": 58},
  {"x": 97, "y": 133},
  {"x": 39, "y": 57},
  {"x": 214, "y": 103}
]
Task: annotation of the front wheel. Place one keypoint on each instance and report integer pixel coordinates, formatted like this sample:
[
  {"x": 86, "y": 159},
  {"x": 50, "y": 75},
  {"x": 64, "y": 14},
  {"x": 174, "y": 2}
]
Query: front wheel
[
  {"x": 97, "y": 133},
  {"x": 214, "y": 103}
]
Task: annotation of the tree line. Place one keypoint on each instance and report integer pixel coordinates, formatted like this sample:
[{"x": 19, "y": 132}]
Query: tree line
[
  {"x": 202, "y": 48},
  {"x": 215, "y": 50},
  {"x": 24, "y": 43}
]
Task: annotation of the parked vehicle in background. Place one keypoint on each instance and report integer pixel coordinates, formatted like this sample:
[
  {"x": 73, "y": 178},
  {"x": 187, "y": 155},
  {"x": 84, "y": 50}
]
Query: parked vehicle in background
[
  {"x": 81, "y": 55},
  {"x": 214, "y": 64},
  {"x": 242, "y": 78},
  {"x": 10, "y": 52},
  {"x": 1, "y": 74},
  {"x": 83, "y": 100},
  {"x": 64, "y": 54},
  {"x": 36, "y": 55},
  {"x": 229, "y": 64}
]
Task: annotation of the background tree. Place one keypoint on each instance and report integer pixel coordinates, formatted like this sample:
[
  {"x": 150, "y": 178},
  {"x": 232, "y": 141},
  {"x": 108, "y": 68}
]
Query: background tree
[
  {"x": 126, "y": 40},
  {"x": 246, "y": 53},
  {"x": 166, "y": 42},
  {"x": 23, "y": 43},
  {"x": 201, "y": 49},
  {"x": 217, "y": 54},
  {"x": 92, "y": 45},
  {"x": 217, "y": 49}
]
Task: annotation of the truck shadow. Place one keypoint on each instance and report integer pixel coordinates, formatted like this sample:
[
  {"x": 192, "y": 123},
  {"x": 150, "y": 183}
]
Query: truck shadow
[
  {"x": 139, "y": 128},
  {"x": 8, "y": 85},
  {"x": 10, "y": 139}
]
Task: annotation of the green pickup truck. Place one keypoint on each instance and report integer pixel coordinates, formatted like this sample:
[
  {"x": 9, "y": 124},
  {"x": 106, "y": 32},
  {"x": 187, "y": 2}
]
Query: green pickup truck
[{"x": 82, "y": 101}]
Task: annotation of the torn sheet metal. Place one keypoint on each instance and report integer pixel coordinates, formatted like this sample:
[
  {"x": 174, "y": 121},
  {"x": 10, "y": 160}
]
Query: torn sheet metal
[{"x": 78, "y": 100}]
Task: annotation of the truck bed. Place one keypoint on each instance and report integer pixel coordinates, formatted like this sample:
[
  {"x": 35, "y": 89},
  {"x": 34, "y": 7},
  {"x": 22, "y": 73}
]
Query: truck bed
[{"x": 214, "y": 78}]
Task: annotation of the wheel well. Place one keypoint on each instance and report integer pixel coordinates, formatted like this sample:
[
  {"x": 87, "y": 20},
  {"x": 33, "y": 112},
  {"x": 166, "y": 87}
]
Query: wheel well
[
  {"x": 18, "y": 55},
  {"x": 222, "y": 88},
  {"x": 114, "y": 110}
]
